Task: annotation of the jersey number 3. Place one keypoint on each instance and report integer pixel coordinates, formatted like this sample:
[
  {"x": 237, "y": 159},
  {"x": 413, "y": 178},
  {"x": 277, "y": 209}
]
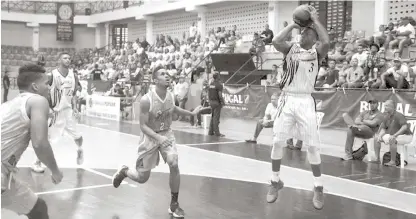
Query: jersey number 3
[{"x": 311, "y": 68}]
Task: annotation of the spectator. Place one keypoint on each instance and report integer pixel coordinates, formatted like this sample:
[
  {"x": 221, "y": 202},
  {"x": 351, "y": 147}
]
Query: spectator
[
  {"x": 216, "y": 101},
  {"x": 331, "y": 76},
  {"x": 97, "y": 73},
  {"x": 204, "y": 108},
  {"x": 6, "y": 83},
  {"x": 374, "y": 57},
  {"x": 268, "y": 119},
  {"x": 405, "y": 35},
  {"x": 276, "y": 77},
  {"x": 394, "y": 130},
  {"x": 396, "y": 76},
  {"x": 181, "y": 92},
  {"x": 355, "y": 75},
  {"x": 267, "y": 35},
  {"x": 361, "y": 56},
  {"x": 365, "y": 126},
  {"x": 343, "y": 73}
]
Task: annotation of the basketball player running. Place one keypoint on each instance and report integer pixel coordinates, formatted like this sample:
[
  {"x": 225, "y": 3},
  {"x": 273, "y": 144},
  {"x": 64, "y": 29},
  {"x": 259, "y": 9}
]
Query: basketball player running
[
  {"x": 296, "y": 106},
  {"x": 64, "y": 84},
  {"x": 156, "y": 112},
  {"x": 24, "y": 119}
]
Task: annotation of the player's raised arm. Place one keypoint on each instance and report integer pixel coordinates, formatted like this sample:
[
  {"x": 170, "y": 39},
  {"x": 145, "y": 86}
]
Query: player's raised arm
[
  {"x": 39, "y": 110},
  {"x": 323, "y": 36},
  {"x": 279, "y": 41}
]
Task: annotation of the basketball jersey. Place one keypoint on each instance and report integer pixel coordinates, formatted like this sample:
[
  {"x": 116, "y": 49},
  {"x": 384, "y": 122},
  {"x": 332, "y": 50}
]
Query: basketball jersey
[
  {"x": 15, "y": 129},
  {"x": 62, "y": 90},
  {"x": 160, "y": 112},
  {"x": 300, "y": 69}
]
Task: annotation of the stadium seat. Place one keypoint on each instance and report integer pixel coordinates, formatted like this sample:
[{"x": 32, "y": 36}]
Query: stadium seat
[{"x": 404, "y": 148}]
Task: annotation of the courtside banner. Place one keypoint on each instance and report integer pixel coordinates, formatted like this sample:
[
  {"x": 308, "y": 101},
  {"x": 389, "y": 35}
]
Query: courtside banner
[
  {"x": 103, "y": 107},
  {"x": 331, "y": 102}
]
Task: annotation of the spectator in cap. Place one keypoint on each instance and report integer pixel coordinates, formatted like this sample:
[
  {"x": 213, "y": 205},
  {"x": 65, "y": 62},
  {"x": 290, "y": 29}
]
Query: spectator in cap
[
  {"x": 364, "y": 126},
  {"x": 396, "y": 77}
]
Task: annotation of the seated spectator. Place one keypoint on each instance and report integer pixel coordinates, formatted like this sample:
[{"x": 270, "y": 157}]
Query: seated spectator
[
  {"x": 350, "y": 48},
  {"x": 330, "y": 78},
  {"x": 390, "y": 32},
  {"x": 396, "y": 76},
  {"x": 267, "y": 35},
  {"x": 394, "y": 130},
  {"x": 268, "y": 119},
  {"x": 258, "y": 45},
  {"x": 343, "y": 73},
  {"x": 365, "y": 126},
  {"x": 361, "y": 56},
  {"x": 276, "y": 77},
  {"x": 337, "y": 54},
  {"x": 355, "y": 76},
  {"x": 204, "y": 108},
  {"x": 117, "y": 91},
  {"x": 379, "y": 37},
  {"x": 373, "y": 56},
  {"x": 405, "y": 35}
]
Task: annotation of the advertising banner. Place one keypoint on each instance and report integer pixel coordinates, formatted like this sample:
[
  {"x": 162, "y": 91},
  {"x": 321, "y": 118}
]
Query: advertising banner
[
  {"x": 250, "y": 102},
  {"x": 65, "y": 21},
  {"x": 103, "y": 107}
]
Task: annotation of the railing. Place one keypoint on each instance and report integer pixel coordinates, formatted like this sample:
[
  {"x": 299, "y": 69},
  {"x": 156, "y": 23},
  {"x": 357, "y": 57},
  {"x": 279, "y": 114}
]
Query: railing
[{"x": 39, "y": 7}]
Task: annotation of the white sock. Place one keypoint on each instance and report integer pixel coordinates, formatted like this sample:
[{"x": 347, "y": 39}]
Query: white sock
[
  {"x": 318, "y": 181},
  {"x": 275, "y": 176}
]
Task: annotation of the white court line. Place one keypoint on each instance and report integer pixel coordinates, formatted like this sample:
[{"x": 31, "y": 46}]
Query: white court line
[
  {"x": 73, "y": 189},
  {"x": 208, "y": 143},
  {"x": 294, "y": 169},
  {"x": 258, "y": 161},
  {"x": 390, "y": 182},
  {"x": 358, "y": 174},
  {"x": 378, "y": 177},
  {"x": 106, "y": 176}
]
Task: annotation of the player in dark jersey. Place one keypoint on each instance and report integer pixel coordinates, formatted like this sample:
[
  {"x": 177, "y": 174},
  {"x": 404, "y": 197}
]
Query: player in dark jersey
[{"x": 156, "y": 111}]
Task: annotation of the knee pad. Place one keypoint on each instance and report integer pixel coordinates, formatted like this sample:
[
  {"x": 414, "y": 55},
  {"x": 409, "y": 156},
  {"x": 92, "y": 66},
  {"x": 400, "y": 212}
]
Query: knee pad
[
  {"x": 314, "y": 156},
  {"x": 39, "y": 211},
  {"x": 277, "y": 149}
]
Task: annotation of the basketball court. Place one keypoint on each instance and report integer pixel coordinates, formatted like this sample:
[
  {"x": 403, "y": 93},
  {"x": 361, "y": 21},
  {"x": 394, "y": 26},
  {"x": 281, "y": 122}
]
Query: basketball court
[{"x": 220, "y": 178}]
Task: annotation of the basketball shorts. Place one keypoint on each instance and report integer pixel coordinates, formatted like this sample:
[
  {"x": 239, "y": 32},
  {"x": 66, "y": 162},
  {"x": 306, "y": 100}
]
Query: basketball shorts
[
  {"x": 296, "y": 117},
  {"x": 16, "y": 196},
  {"x": 63, "y": 122},
  {"x": 149, "y": 149}
]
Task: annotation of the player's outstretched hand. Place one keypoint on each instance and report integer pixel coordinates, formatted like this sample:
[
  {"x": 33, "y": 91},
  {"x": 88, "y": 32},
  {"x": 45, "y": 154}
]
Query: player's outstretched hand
[
  {"x": 196, "y": 110},
  {"x": 57, "y": 177}
]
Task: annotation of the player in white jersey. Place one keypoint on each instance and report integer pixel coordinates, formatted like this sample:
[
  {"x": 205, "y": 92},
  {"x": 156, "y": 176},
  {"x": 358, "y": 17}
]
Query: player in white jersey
[
  {"x": 64, "y": 84},
  {"x": 24, "y": 119},
  {"x": 296, "y": 106},
  {"x": 156, "y": 112}
]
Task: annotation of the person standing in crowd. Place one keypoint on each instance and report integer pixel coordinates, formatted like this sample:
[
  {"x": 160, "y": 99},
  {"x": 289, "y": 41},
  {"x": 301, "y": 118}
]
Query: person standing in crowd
[
  {"x": 6, "y": 84},
  {"x": 96, "y": 73},
  {"x": 181, "y": 92},
  {"x": 216, "y": 101}
]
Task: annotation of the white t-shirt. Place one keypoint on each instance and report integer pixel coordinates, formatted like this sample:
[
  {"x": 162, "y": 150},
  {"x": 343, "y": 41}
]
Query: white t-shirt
[
  {"x": 362, "y": 58},
  {"x": 403, "y": 29},
  {"x": 403, "y": 71},
  {"x": 270, "y": 110}
]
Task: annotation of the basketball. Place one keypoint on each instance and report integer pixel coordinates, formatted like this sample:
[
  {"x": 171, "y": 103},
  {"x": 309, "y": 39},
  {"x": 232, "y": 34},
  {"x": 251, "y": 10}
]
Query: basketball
[{"x": 301, "y": 16}]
